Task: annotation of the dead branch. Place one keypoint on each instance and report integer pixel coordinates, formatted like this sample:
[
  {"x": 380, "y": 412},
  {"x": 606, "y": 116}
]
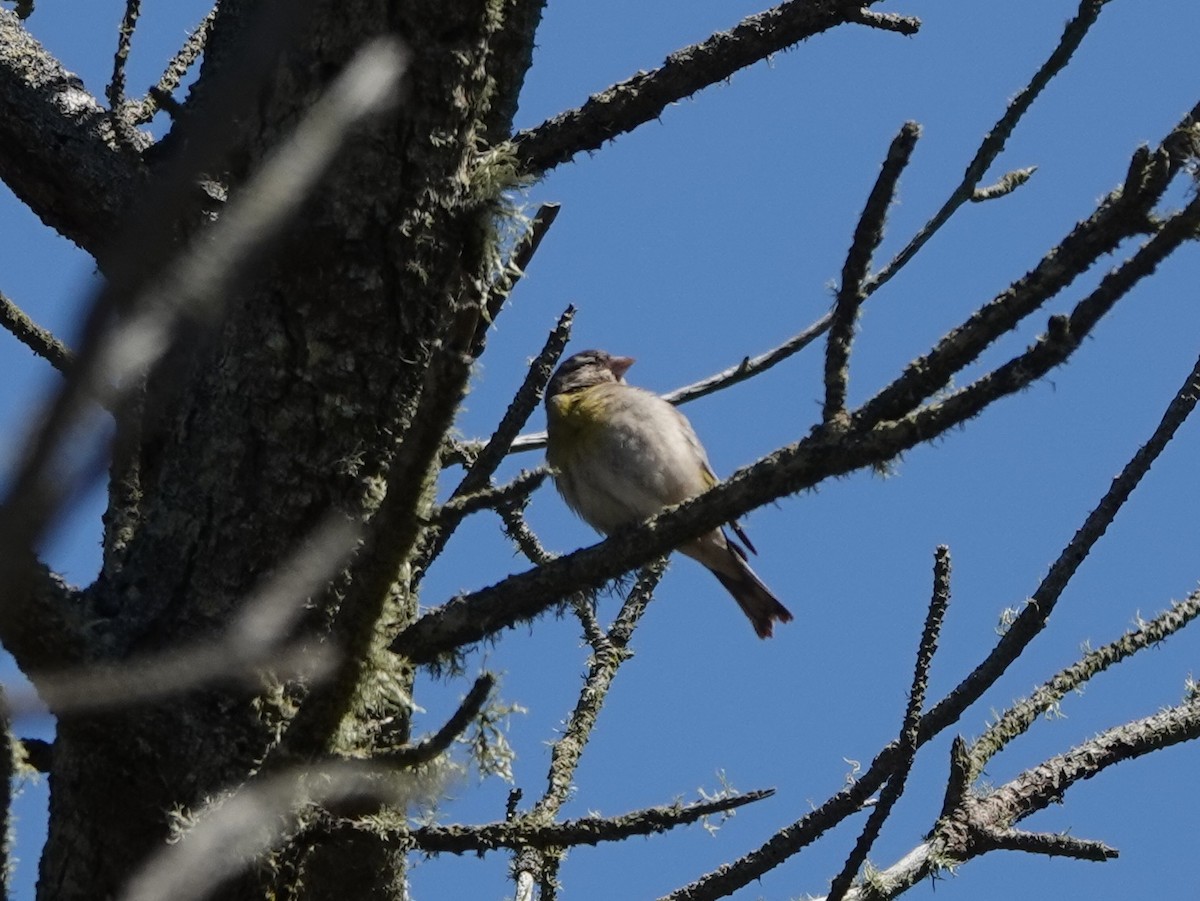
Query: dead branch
[{"x": 642, "y": 98}]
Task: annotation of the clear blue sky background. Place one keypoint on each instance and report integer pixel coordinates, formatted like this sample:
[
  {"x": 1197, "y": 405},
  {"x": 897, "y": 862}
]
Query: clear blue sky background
[{"x": 714, "y": 234}]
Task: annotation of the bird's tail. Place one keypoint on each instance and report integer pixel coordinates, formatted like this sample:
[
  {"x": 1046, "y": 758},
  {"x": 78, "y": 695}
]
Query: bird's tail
[{"x": 761, "y": 607}]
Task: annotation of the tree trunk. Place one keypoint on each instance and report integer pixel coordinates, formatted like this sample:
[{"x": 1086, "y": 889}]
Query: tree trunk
[{"x": 289, "y": 413}]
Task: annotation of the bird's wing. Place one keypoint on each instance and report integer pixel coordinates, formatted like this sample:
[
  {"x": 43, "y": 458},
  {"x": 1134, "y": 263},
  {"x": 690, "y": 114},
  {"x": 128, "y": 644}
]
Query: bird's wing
[{"x": 710, "y": 479}]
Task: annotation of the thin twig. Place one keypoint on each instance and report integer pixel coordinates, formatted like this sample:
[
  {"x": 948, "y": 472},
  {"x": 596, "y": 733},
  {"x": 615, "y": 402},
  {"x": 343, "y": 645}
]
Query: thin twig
[
  {"x": 1020, "y": 716},
  {"x": 642, "y": 98},
  {"x": 905, "y": 25},
  {"x": 867, "y": 235},
  {"x": 567, "y": 751},
  {"x": 907, "y": 742},
  {"x": 571, "y": 833},
  {"x": 1030, "y": 621},
  {"x": 1006, "y": 184},
  {"x": 429, "y": 748},
  {"x": 740, "y": 372},
  {"x": 621, "y": 631},
  {"x": 993, "y": 143},
  {"x": 985, "y": 824},
  {"x": 1049, "y": 844},
  {"x": 1119, "y": 216},
  {"x": 160, "y": 96},
  {"x": 1064, "y": 333},
  {"x": 519, "y": 410},
  {"x": 521, "y": 486},
  {"x": 521, "y": 257},
  {"x": 478, "y": 477},
  {"x": 116, "y": 86},
  {"x": 609, "y": 653},
  {"x": 1122, "y": 214},
  {"x": 37, "y": 339},
  {"x": 516, "y": 528}
]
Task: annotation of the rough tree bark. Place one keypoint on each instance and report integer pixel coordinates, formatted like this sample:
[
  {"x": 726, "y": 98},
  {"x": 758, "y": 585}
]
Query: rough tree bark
[
  {"x": 326, "y": 391},
  {"x": 292, "y": 412}
]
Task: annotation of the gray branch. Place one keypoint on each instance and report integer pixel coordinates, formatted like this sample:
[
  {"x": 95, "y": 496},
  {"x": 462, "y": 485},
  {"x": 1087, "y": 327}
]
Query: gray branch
[
  {"x": 642, "y": 97},
  {"x": 43, "y": 622},
  {"x": 982, "y": 824},
  {"x": 33, "y": 336},
  {"x": 58, "y": 150},
  {"x": 583, "y": 831}
]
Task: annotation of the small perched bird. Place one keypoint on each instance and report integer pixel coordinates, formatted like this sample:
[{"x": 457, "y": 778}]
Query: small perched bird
[{"x": 620, "y": 454}]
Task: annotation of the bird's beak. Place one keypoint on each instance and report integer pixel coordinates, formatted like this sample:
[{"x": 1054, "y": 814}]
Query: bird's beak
[{"x": 619, "y": 366}]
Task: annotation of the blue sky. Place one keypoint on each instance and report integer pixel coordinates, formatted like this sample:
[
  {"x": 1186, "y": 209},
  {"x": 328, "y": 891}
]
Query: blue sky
[{"x": 713, "y": 234}]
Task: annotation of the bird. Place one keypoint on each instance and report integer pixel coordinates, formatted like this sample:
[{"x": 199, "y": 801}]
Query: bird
[{"x": 620, "y": 454}]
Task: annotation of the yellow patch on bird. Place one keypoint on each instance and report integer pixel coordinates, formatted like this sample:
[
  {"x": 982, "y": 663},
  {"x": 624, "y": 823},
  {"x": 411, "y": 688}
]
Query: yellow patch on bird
[{"x": 571, "y": 418}]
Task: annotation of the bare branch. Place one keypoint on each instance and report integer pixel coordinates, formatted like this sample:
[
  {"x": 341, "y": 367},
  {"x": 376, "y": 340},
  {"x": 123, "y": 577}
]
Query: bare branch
[
  {"x": 571, "y": 833},
  {"x": 1018, "y": 718},
  {"x": 1123, "y": 214},
  {"x": 980, "y": 825},
  {"x": 116, "y": 86},
  {"x": 479, "y": 475},
  {"x": 440, "y": 741},
  {"x": 1008, "y": 183},
  {"x": 746, "y": 369},
  {"x": 906, "y": 25},
  {"x": 37, "y": 339},
  {"x": 642, "y": 98},
  {"x": 751, "y": 366},
  {"x": 593, "y": 632},
  {"x": 909, "y": 730},
  {"x": 57, "y": 146},
  {"x": 524, "y": 484},
  {"x": 729, "y": 877},
  {"x": 867, "y": 235},
  {"x": 160, "y": 96},
  {"x": 606, "y": 661},
  {"x": 516, "y": 528},
  {"x": 519, "y": 410},
  {"x": 1049, "y": 844},
  {"x": 43, "y": 622},
  {"x": 1032, "y": 619},
  {"x": 958, "y": 781},
  {"x": 521, "y": 257},
  {"x": 993, "y": 143},
  {"x": 1119, "y": 216},
  {"x": 610, "y": 651}
]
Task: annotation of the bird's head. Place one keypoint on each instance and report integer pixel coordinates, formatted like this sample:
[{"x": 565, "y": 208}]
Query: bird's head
[{"x": 585, "y": 369}]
